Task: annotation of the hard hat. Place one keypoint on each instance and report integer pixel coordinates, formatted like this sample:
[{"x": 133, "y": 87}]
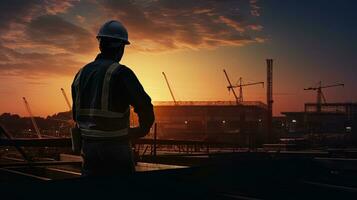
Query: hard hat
[{"x": 114, "y": 29}]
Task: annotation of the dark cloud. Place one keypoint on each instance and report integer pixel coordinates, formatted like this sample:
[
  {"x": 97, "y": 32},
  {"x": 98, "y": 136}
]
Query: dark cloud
[
  {"x": 14, "y": 11},
  {"x": 52, "y": 30},
  {"x": 37, "y": 64},
  {"x": 168, "y": 24},
  {"x": 35, "y": 41},
  {"x": 22, "y": 11},
  {"x": 47, "y": 37}
]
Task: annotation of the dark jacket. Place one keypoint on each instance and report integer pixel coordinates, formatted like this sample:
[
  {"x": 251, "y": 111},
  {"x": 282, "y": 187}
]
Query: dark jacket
[{"x": 125, "y": 90}]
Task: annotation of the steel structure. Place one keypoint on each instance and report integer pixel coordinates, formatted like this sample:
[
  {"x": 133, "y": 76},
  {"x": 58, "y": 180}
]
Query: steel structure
[
  {"x": 270, "y": 98},
  {"x": 230, "y": 86},
  {"x": 211, "y": 103},
  {"x": 168, "y": 85},
  {"x": 241, "y": 85},
  {"x": 66, "y": 98},
  {"x": 320, "y": 95},
  {"x": 32, "y": 118}
]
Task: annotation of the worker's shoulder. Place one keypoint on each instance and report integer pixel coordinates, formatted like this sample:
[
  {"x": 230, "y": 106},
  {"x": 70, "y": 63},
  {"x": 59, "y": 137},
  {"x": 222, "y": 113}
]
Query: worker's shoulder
[
  {"x": 124, "y": 68},
  {"x": 125, "y": 71},
  {"x": 88, "y": 65}
]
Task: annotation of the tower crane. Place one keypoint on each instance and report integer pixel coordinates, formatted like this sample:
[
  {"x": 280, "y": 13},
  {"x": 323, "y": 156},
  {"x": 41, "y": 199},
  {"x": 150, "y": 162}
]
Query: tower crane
[
  {"x": 230, "y": 87},
  {"x": 32, "y": 118},
  {"x": 240, "y": 86},
  {"x": 168, "y": 85},
  {"x": 66, "y": 98},
  {"x": 320, "y": 95}
]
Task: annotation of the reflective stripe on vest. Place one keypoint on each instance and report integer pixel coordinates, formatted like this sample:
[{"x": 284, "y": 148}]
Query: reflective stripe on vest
[
  {"x": 99, "y": 133},
  {"x": 104, "y": 111},
  {"x": 101, "y": 113},
  {"x": 76, "y": 85}
]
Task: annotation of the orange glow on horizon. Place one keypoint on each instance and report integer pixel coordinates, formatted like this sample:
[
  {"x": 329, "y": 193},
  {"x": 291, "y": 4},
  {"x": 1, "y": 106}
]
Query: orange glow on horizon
[
  {"x": 193, "y": 75},
  {"x": 191, "y": 79}
]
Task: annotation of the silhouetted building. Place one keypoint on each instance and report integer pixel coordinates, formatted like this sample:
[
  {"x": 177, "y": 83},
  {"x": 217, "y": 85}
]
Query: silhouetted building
[
  {"x": 333, "y": 118},
  {"x": 209, "y": 120}
]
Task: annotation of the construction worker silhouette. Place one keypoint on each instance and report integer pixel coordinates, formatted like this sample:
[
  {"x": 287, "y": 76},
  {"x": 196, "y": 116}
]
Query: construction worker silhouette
[{"x": 102, "y": 92}]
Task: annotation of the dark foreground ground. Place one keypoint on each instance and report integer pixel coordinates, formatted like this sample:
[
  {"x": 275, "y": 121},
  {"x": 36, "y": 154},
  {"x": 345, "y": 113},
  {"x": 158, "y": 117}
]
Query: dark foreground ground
[{"x": 228, "y": 176}]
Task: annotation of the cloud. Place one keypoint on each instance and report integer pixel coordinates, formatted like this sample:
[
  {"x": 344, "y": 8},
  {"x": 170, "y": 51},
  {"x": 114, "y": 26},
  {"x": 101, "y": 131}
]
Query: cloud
[
  {"x": 80, "y": 19},
  {"x": 48, "y": 37},
  {"x": 165, "y": 25},
  {"x": 54, "y": 6},
  {"x": 51, "y": 30},
  {"x": 37, "y": 64},
  {"x": 254, "y": 8},
  {"x": 35, "y": 41},
  {"x": 21, "y": 11}
]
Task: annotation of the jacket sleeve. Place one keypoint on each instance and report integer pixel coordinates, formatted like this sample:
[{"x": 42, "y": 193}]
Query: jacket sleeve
[
  {"x": 141, "y": 102},
  {"x": 74, "y": 94}
]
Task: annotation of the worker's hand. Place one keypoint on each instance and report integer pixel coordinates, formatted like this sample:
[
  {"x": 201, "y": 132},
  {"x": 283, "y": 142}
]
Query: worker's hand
[{"x": 72, "y": 123}]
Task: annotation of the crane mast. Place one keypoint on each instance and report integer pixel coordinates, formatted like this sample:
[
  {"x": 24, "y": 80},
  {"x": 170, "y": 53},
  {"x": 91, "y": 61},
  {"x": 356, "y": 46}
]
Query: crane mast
[
  {"x": 240, "y": 90},
  {"x": 66, "y": 98},
  {"x": 32, "y": 118},
  {"x": 168, "y": 85}
]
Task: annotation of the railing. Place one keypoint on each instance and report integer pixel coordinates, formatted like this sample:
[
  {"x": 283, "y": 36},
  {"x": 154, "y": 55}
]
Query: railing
[{"x": 209, "y": 103}]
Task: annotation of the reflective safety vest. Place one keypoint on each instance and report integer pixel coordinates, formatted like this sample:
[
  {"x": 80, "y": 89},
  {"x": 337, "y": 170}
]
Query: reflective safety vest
[{"x": 111, "y": 118}]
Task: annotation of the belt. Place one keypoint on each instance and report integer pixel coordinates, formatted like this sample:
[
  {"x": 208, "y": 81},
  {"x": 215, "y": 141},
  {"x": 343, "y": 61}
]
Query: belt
[{"x": 116, "y": 140}]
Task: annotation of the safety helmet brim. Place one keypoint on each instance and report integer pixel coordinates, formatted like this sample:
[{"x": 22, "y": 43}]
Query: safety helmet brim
[{"x": 123, "y": 40}]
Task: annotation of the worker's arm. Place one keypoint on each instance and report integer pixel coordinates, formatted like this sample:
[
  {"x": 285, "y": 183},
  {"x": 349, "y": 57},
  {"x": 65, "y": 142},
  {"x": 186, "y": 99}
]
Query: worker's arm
[
  {"x": 141, "y": 102},
  {"x": 74, "y": 94}
]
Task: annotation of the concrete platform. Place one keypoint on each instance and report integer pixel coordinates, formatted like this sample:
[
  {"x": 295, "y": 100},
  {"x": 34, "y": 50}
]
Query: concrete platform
[{"x": 140, "y": 166}]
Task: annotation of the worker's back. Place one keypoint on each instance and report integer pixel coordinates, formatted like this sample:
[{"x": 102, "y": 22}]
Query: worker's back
[
  {"x": 91, "y": 94},
  {"x": 102, "y": 92}
]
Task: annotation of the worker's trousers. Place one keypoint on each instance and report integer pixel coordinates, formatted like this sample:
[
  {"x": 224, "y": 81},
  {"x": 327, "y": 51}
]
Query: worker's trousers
[{"x": 107, "y": 158}]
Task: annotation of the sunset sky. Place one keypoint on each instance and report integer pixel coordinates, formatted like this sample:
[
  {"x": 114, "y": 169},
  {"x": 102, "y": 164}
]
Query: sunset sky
[{"x": 44, "y": 43}]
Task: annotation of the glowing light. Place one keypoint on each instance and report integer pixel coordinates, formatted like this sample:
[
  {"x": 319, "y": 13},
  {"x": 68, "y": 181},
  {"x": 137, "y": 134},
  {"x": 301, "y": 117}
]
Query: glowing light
[{"x": 348, "y": 129}]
